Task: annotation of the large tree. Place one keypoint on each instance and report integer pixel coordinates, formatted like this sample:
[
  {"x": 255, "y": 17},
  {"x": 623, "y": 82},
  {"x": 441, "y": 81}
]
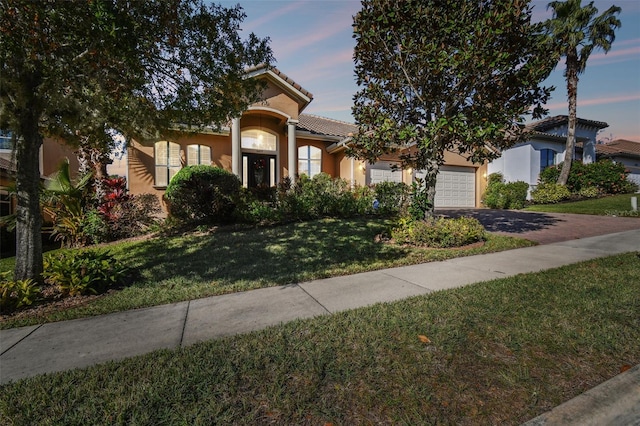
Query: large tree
[
  {"x": 439, "y": 75},
  {"x": 72, "y": 68},
  {"x": 577, "y": 31}
]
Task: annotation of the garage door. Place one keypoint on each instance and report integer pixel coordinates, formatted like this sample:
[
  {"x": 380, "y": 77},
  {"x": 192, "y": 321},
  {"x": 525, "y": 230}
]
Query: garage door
[
  {"x": 381, "y": 172},
  {"x": 455, "y": 187}
]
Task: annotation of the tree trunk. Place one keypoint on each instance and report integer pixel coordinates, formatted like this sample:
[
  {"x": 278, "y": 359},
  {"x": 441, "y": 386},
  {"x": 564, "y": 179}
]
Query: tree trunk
[
  {"x": 29, "y": 218},
  {"x": 430, "y": 176},
  {"x": 572, "y": 95}
]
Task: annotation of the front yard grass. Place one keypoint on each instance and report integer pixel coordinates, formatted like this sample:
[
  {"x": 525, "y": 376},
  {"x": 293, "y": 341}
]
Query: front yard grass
[
  {"x": 195, "y": 265},
  {"x": 597, "y": 206},
  {"x": 499, "y": 352}
]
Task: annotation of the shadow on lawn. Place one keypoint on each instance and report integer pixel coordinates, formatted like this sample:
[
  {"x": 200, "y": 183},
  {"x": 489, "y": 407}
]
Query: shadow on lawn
[
  {"x": 277, "y": 255},
  {"x": 510, "y": 221}
]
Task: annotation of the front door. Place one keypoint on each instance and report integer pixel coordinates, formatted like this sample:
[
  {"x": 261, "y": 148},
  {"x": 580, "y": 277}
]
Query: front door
[{"x": 260, "y": 170}]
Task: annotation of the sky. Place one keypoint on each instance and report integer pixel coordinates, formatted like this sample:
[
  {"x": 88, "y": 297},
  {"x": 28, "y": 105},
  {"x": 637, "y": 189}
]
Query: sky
[{"x": 313, "y": 45}]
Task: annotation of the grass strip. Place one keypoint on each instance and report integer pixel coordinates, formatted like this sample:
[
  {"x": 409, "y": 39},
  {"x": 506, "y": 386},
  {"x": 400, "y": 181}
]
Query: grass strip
[
  {"x": 596, "y": 206},
  {"x": 499, "y": 352}
]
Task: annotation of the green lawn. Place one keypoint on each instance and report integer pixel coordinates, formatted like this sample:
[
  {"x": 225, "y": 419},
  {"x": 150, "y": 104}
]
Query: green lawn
[
  {"x": 500, "y": 352},
  {"x": 597, "y": 206},
  {"x": 227, "y": 260}
]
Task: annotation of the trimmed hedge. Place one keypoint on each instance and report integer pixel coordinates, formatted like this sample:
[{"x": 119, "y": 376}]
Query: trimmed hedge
[{"x": 203, "y": 194}]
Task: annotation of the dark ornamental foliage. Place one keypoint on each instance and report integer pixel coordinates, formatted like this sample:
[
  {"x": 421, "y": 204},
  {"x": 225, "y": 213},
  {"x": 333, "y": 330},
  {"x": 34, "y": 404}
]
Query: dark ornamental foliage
[{"x": 445, "y": 75}]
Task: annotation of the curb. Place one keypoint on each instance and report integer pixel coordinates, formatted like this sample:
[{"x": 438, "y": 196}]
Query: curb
[{"x": 614, "y": 402}]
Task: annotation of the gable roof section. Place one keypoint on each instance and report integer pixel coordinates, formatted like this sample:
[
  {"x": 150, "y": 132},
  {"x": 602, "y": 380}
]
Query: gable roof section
[
  {"x": 558, "y": 120},
  {"x": 280, "y": 79},
  {"x": 619, "y": 147}
]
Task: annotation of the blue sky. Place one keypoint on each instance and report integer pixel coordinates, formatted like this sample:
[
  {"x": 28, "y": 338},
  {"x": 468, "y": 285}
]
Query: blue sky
[{"x": 312, "y": 42}]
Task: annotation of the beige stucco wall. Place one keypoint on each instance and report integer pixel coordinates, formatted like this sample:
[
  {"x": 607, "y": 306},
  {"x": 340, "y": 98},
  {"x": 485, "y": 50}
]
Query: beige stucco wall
[
  {"x": 275, "y": 98},
  {"x": 54, "y": 152}
]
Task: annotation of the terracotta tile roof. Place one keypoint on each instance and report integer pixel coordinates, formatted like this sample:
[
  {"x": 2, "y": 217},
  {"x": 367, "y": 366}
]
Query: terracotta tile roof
[
  {"x": 558, "y": 120},
  {"x": 283, "y": 76},
  {"x": 619, "y": 147},
  {"x": 326, "y": 126},
  {"x": 7, "y": 164}
]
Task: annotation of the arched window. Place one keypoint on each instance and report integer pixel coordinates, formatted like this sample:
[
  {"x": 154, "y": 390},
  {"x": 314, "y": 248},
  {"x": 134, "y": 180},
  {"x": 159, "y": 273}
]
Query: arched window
[
  {"x": 167, "y": 156},
  {"x": 198, "y": 154},
  {"x": 309, "y": 160},
  {"x": 547, "y": 158},
  {"x": 259, "y": 140}
]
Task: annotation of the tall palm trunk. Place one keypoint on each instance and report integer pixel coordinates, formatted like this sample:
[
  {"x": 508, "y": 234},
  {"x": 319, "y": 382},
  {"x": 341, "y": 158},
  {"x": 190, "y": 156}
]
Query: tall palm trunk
[{"x": 572, "y": 95}]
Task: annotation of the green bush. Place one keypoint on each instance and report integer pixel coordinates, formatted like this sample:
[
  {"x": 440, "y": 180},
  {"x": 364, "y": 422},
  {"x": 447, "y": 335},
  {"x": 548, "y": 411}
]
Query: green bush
[
  {"x": 203, "y": 194},
  {"x": 550, "y": 193},
  {"x": 79, "y": 272},
  {"x": 420, "y": 205},
  {"x": 500, "y": 195},
  {"x": 589, "y": 192},
  {"x": 607, "y": 176},
  {"x": 321, "y": 196},
  {"x": 439, "y": 232},
  {"x": 393, "y": 197},
  {"x": 95, "y": 227},
  {"x": 16, "y": 294}
]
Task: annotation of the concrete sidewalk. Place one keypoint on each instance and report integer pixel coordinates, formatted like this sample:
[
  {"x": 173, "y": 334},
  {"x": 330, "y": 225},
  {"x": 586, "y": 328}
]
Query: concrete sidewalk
[{"x": 29, "y": 351}]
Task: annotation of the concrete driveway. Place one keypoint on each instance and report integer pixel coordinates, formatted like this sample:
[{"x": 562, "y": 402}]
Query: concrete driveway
[{"x": 546, "y": 228}]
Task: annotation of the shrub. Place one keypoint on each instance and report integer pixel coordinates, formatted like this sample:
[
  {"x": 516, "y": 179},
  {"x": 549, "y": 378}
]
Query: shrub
[
  {"x": 203, "y": 194},
  {"x": 589, "y": 192},
  {"x": 95, "y": 227},
  {"x": 321, "y": 196},
  {"x": 500, "y": 195},
  {"x": 393, "y": 197},
  {"x": 550, "y": 193},
  {"x": 76, "y": 272},
  {"x": 439, "y": 232},
  {"x": 607, "y": 176},
  {"x": 133, "y": 217},
  {"x": 420, "y": 205},
  {"x": 16, "y": 294},
  {"x": 65, "y": 201},
  {"x": 255, "y": 211}
]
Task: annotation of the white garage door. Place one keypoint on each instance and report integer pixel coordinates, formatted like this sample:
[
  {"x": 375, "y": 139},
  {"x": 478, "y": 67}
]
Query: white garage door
[
  {"x": 455, "y": 187},
  {"x": 381, "y": 172}
]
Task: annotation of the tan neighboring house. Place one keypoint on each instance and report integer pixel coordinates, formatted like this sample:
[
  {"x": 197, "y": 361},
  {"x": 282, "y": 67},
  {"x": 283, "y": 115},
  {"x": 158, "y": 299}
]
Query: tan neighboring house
[
  {"x": 625, "y": 152},
  {"x": 274, "y": 138},
  {"x": 52, "y": 153}
]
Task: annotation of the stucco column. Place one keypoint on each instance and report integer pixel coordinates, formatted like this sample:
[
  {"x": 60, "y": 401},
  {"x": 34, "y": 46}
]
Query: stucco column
[
  {"x": 236, "y": 159},
  {"x": 291, "y": 148}
]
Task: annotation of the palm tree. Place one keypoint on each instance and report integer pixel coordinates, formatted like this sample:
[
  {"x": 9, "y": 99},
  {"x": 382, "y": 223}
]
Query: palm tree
[{"x": 576, "y": 32}]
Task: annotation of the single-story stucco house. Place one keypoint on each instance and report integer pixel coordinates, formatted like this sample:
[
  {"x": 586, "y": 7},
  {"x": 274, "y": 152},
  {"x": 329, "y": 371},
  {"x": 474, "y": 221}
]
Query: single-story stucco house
[
  {"x": 625, "y": 152},
  {"x": 546, "y": 147},
  {"x": 274, "y": 139}
]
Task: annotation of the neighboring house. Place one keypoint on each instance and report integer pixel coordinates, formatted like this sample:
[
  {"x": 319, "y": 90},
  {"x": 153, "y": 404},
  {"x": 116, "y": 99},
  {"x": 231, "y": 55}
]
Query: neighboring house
[
  {"x": 274, "y": 139},
  {"x": 546, "y": 147},
  {"x": 52, "y": 153},
  {"x": 624, "y": 152}
]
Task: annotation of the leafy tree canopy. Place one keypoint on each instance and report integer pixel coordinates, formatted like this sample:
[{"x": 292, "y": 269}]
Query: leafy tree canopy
[
  {"x": 445, "y": 75},
  {"x": 73, "y": 68}
]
